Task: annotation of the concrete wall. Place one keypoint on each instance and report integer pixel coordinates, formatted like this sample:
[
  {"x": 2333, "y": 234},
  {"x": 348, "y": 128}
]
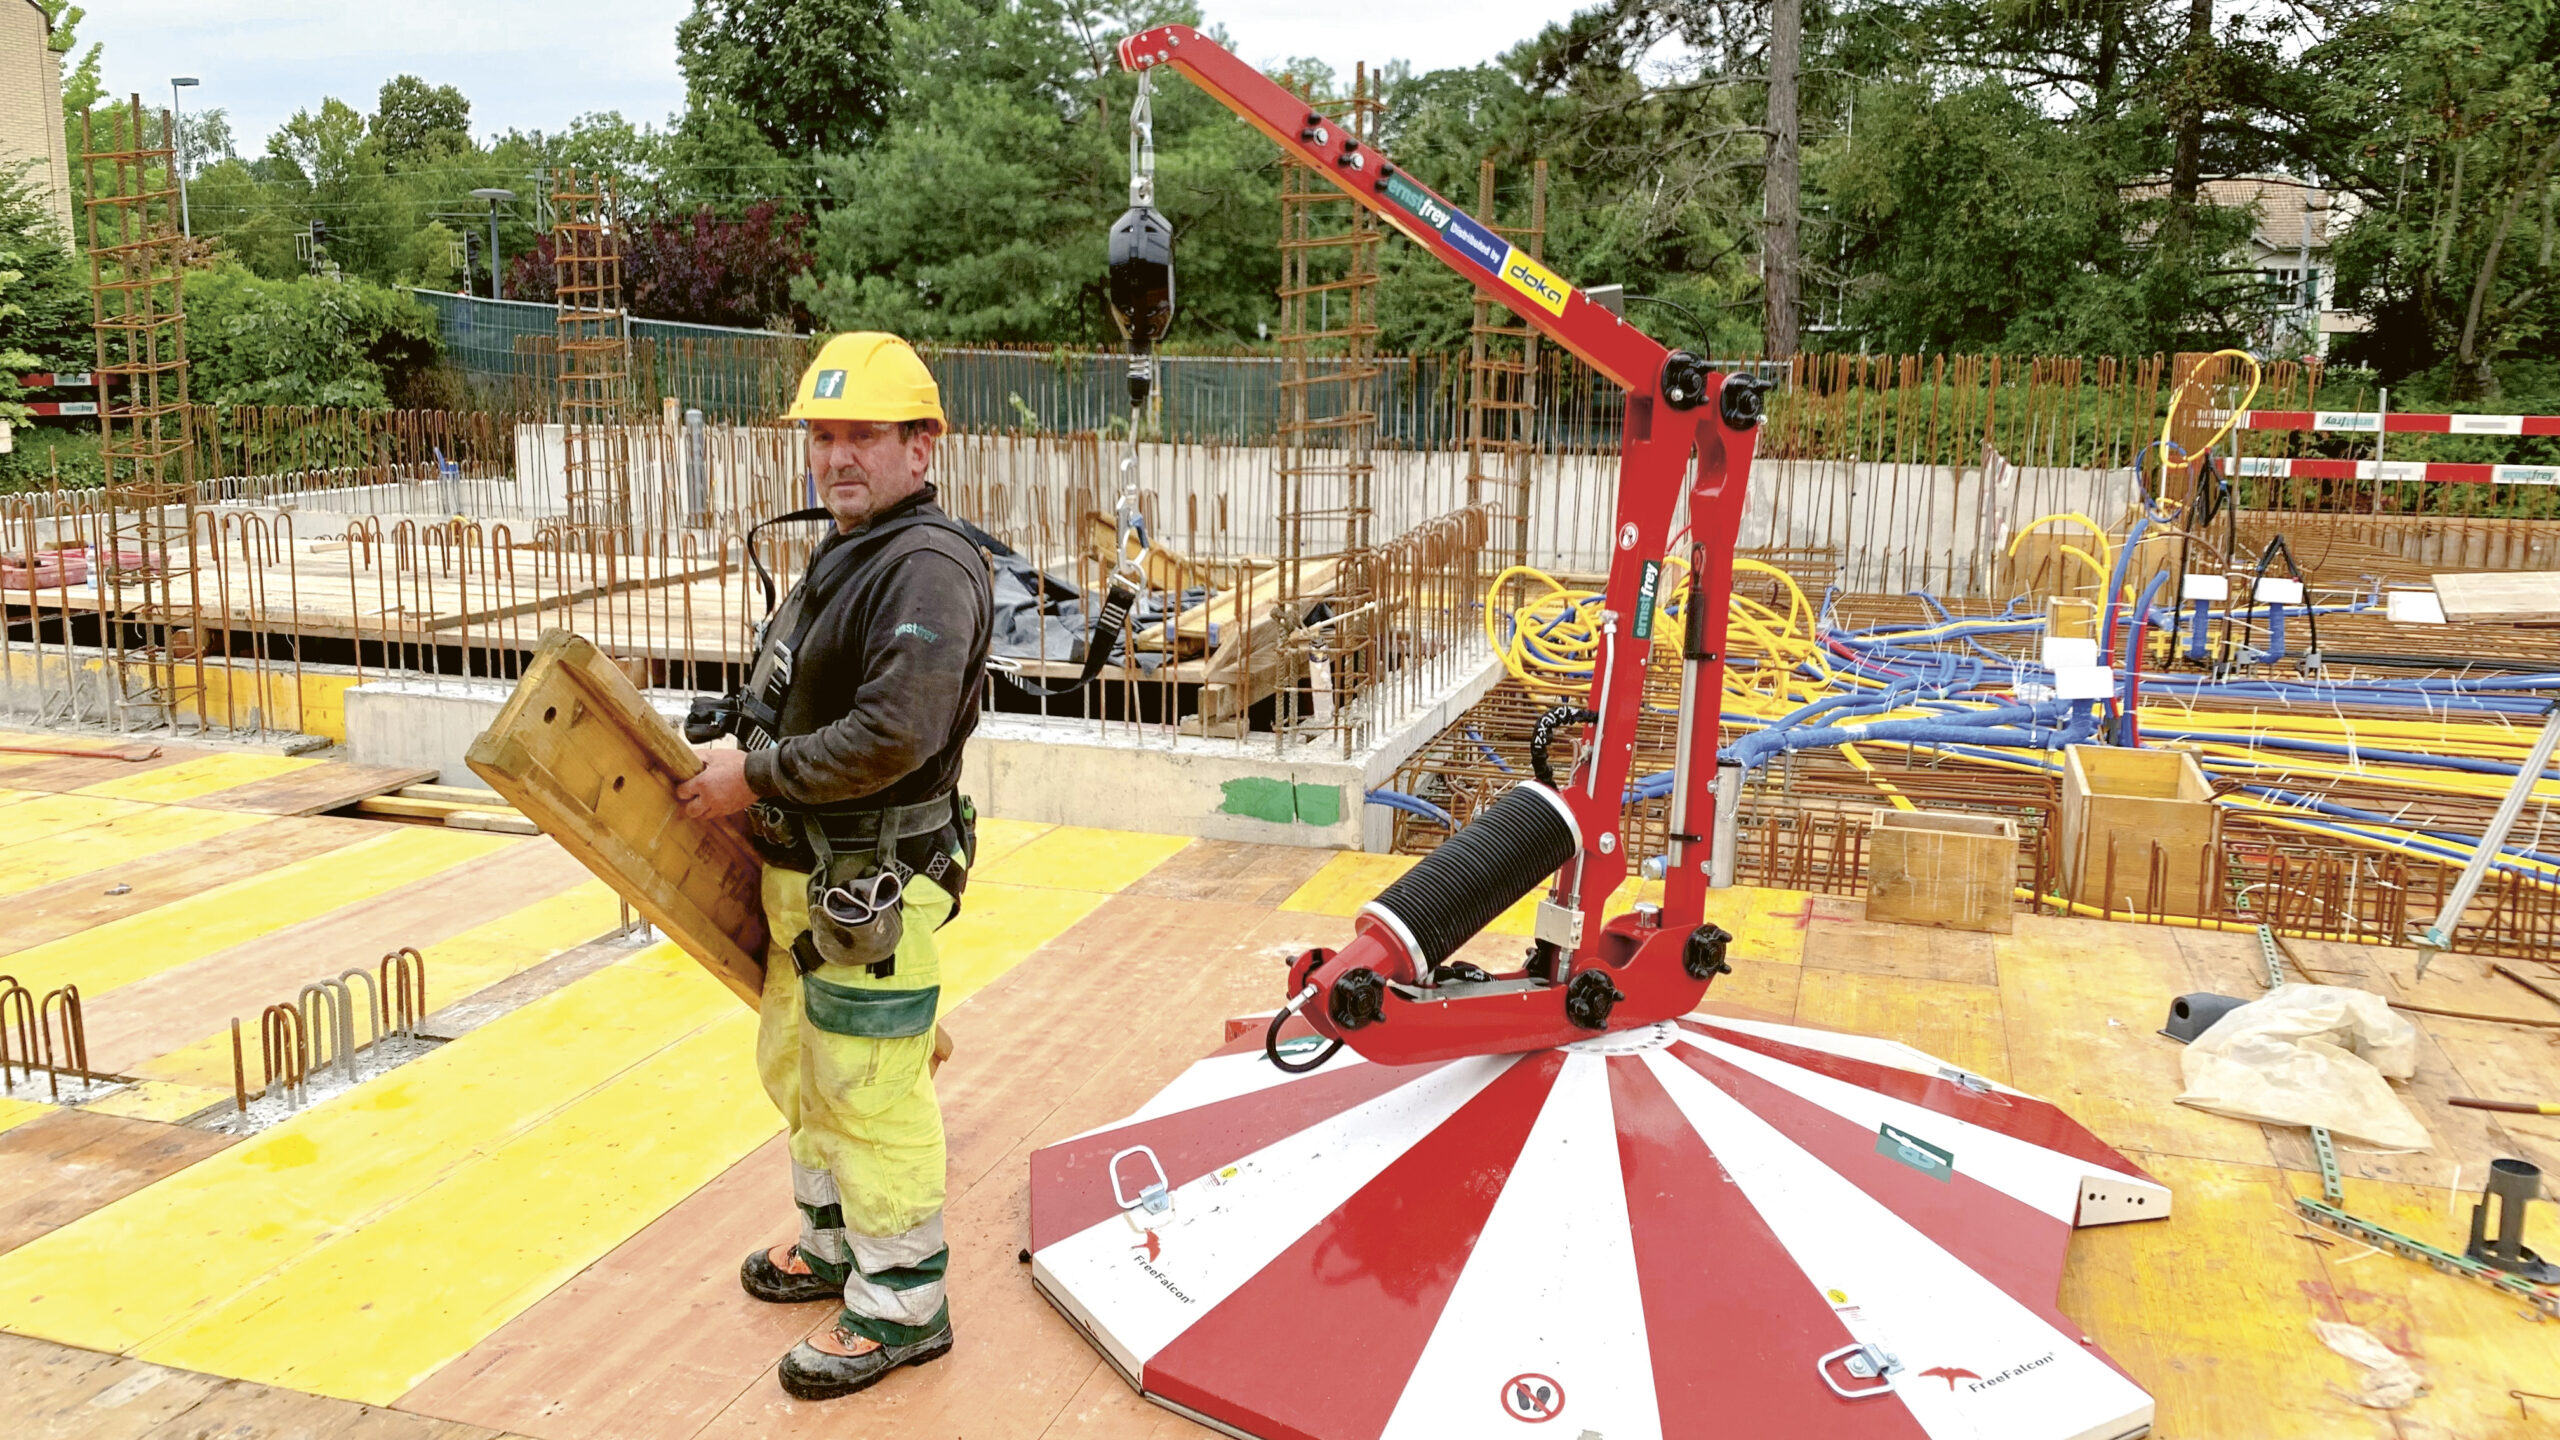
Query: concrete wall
[{"x": 1056, "y": 773}]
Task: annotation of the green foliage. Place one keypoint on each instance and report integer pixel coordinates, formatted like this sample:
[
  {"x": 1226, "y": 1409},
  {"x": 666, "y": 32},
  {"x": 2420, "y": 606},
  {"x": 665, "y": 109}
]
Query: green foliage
[
  {"x": 414, "y": 122},
  {"x": 47, "y": 310},
  {"x": 979, "y": 214},
  {"x": 255, "y": 341},
  {"x": 812, "y": 76},
  {"x": 1975, "y": 224},
  {"x": 2441, "y": 116}
]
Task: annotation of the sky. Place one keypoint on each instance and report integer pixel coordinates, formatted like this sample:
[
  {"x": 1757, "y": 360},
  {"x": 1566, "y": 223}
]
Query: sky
[{"x": 536, "y": 64}]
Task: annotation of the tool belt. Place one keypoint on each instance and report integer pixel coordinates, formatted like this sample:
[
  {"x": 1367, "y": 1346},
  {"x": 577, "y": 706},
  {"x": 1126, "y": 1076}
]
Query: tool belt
[{"x": 859, "y": 865}]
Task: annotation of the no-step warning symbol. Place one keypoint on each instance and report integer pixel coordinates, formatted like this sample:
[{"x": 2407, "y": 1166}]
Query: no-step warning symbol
[{"x": 1533, "y": 1398}]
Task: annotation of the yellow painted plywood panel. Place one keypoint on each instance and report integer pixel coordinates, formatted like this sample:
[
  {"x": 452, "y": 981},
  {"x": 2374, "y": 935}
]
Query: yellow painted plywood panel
[
  {"x": 220, "y": 1225},
  {"x": 370, "y": 1313},
  {"x": 1072, "y": 857},
  {"x": 14, "y": 1113},
  {"x": 999, "y": 838},
  {"x": 457, "y": 969},
  {"x": 193, "y": 778},
  {"x": 138, "y": 946},
  {"x": 128, "y": 833},
  {"x": 1347, "y": 882}
]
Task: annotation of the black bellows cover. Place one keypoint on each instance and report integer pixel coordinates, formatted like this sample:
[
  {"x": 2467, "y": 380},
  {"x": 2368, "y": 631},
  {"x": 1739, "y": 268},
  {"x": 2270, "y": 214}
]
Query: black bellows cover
[{"x": 1510, "y": 847}]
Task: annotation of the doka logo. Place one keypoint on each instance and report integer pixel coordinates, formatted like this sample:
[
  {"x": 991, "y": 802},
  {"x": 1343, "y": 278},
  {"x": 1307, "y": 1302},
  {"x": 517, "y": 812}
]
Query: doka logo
[{"x": 1537, "y": 282}]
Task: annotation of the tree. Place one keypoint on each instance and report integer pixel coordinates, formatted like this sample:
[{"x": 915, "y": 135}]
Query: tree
[
  {"x": 252, "y": 341},
  {"x": 413, "y": 121},
  {"x": 2439, "y": 117},
  {"x": 812, "y": 76},
  {"x": 979, "y": 213},
  {"x": 698, "y": 267}
]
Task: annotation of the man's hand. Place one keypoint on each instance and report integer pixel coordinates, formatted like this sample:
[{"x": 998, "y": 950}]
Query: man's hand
[{"x": 721, "y": 789}]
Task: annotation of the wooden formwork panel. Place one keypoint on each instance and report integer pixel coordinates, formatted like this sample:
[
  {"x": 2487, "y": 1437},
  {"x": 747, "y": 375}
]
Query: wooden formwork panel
[
  {"x": 583, "y": 756},
  {"x": 1942, "y": 868},
  {"x": 2140, "y": 831}
]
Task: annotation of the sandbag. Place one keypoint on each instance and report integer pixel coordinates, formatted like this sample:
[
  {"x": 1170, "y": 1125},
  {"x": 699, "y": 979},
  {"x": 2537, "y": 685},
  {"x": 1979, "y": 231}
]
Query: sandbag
[{"x": 2317, "y": 1055}]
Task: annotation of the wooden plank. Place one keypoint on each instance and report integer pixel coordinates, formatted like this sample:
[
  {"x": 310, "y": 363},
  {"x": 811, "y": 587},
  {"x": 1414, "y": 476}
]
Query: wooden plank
[
  {"x": 406, "y": 807},
  {"x": 192, "y": 1003},
  {"x": 1094, "y": 1022},
  {"x": 1904, "y": 952},
  {"x": 69, "y": 774},
  {"x": 2210, "y": 1311},
  {"x": 332, "y": 786},
  {"x": 2506, "y": 597},
  {"x": 59, "y": 1393},
  {"x": 70, "y": 906},
  {"x": 55, "y": 1170},
  {"x": 1232, "y": 870},
  {"x": 2079, "y": 1000},
  {"x": 582, "y": 755}
]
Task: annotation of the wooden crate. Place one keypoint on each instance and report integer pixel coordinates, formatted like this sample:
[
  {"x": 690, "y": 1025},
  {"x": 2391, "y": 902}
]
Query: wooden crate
[
  {"x": 1943, "y": 868},
  {"x": 2140, "y": 831},
  {"x": 579, "y": 752}
]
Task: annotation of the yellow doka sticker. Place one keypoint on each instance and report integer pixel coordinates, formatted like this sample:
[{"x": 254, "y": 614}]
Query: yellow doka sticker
[{"x": 1535, "y": 281}]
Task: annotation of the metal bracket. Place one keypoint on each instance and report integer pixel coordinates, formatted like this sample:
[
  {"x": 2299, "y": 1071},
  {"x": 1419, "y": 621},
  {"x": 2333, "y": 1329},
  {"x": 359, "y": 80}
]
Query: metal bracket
[
  {"x": 1558, "y": 926},
  {"x": 1863, "y": 1362},
  {"x": 2267, "y": 954}
]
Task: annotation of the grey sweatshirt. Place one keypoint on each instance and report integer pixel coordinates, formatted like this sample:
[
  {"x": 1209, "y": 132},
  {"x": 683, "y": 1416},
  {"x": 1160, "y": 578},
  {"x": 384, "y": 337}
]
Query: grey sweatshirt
[{"x": 887, "y": 684}]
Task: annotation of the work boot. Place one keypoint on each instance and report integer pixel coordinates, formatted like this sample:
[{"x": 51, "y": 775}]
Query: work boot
[
  {"x": 780, "y": 1276},
  {"x": 841, "y": 1361}
]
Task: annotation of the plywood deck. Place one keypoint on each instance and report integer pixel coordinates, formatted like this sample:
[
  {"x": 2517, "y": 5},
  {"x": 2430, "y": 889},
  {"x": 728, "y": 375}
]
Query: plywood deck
[{"x": 535, "y": 1229}]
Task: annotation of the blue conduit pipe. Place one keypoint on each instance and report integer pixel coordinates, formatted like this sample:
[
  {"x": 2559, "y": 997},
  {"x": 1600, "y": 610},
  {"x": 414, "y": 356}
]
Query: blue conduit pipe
[{"x": 1413, "y": 805}]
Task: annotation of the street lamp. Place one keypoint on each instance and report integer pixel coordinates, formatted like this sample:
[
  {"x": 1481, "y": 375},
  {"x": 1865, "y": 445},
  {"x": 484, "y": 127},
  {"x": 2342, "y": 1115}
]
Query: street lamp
[
  {"x": 494, "y": 196},
  {"x": 186, "y": 225}
]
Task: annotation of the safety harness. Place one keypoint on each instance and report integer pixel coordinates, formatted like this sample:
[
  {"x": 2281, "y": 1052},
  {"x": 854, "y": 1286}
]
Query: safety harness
[{"x": 936, "y": 838}]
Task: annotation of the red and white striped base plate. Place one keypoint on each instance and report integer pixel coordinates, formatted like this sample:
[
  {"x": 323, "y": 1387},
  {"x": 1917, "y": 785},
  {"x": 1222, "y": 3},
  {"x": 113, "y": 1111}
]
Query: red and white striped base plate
[{"x": 1708, "y": 1227}]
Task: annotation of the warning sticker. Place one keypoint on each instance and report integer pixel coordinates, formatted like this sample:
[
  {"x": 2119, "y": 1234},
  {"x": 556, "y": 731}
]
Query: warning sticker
[{"x": 1523, "y": 273}]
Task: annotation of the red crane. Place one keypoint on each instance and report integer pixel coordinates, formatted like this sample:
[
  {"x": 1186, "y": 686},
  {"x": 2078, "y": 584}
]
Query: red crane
[{"x": 1688, "y": 431}]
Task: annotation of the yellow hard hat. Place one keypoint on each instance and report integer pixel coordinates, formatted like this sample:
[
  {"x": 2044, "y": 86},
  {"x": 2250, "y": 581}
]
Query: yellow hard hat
[{"x": 866, "y": 375}]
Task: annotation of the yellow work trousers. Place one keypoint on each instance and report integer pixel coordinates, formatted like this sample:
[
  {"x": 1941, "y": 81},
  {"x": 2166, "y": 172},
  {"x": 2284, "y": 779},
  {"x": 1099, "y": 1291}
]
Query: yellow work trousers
[{"x": 866, "y": 1132}]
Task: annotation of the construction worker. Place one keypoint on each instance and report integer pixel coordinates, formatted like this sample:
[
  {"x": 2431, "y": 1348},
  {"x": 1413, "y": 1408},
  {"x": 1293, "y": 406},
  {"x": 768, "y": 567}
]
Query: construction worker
[{"x": 865, "y": 685}]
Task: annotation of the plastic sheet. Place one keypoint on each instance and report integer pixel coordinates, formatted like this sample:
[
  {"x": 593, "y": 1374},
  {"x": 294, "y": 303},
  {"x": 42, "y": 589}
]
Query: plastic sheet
[{"x": 2319, "y": 1055}]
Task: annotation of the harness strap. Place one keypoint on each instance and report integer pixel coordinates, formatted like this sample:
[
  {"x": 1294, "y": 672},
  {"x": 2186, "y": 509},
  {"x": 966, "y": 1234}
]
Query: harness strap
[{"x": 1108, "y": 622}]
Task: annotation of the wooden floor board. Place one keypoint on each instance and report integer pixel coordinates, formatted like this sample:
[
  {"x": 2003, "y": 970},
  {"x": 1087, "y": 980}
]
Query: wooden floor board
[
  {"x": 331, "y": 786},
  {"x": 1232, "y": 871},
  {"x": 70, "y": 906},
  {"x": 177, "y": 1007},
  {"x": 59, "y": 1168},
  {"x": 55, "y": 1392}
]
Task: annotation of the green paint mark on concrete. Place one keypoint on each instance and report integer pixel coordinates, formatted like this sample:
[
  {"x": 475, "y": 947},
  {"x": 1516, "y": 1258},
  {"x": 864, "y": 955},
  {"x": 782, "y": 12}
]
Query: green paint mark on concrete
[
  {"x": 1320, "y": 805},
  {"x": 1281, "y": 803},
  {"x": 1260, "y": 798}
]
